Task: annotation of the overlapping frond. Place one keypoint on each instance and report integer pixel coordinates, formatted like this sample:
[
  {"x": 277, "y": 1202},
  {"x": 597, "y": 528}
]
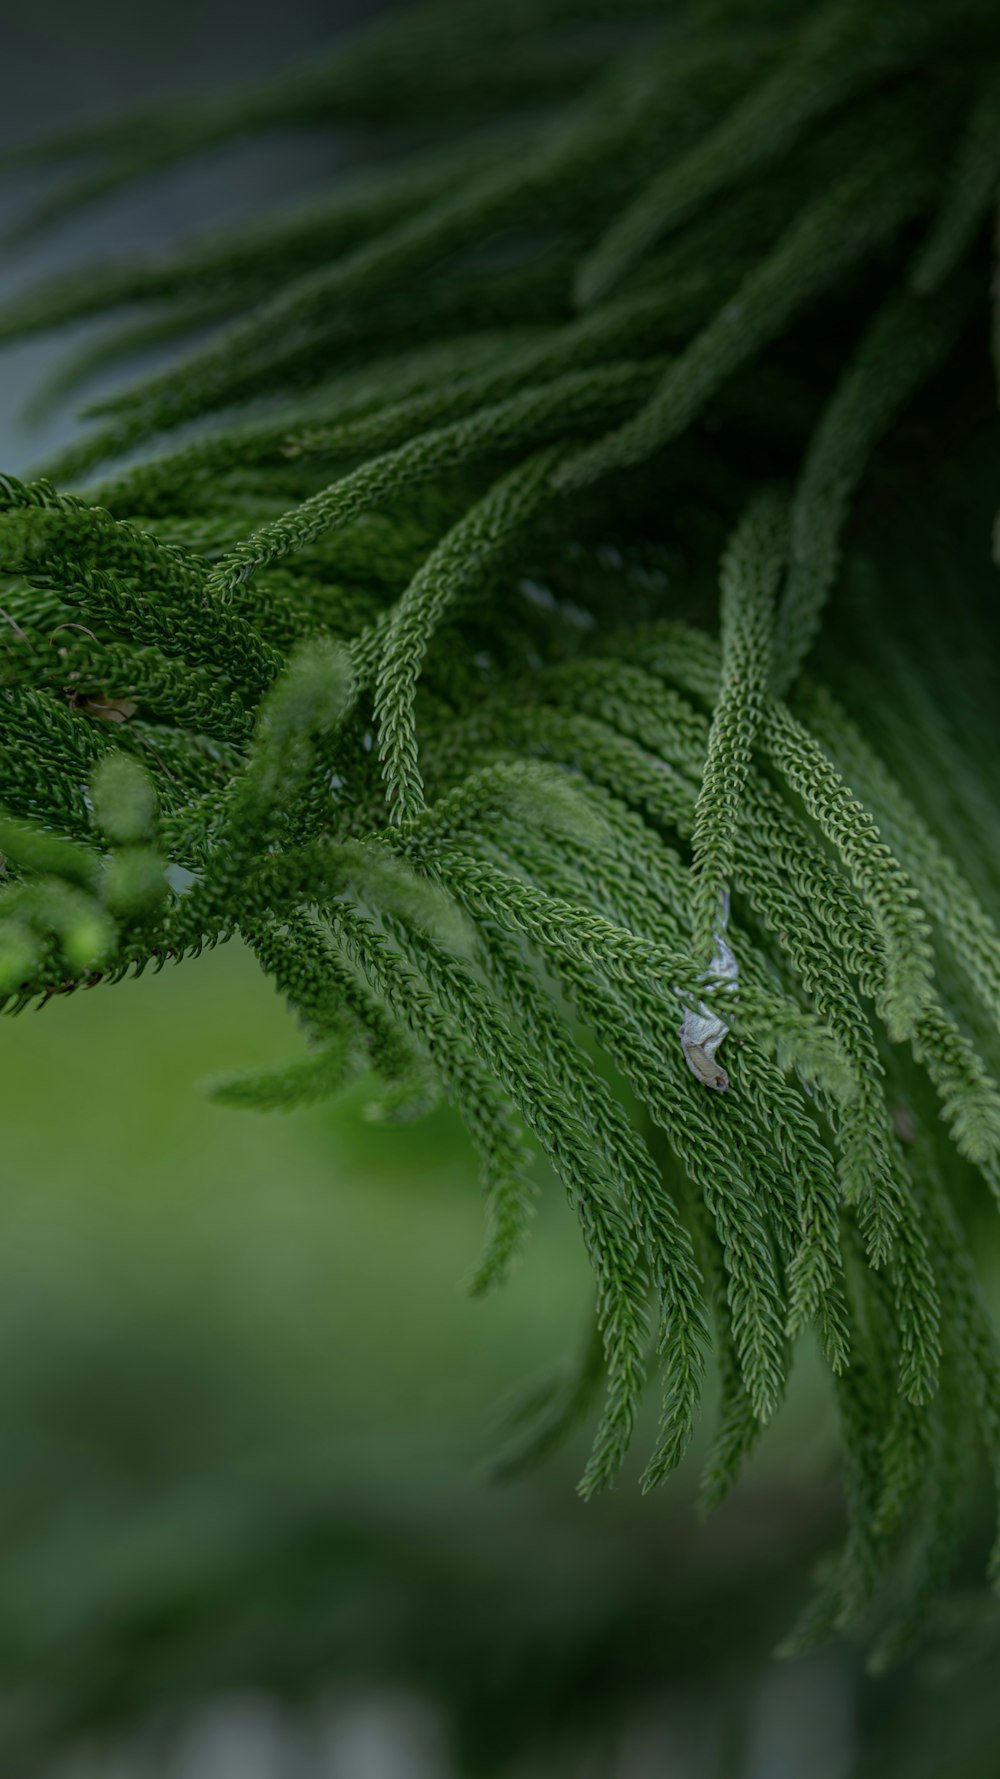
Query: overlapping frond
[{"x": 463, "y": 681}]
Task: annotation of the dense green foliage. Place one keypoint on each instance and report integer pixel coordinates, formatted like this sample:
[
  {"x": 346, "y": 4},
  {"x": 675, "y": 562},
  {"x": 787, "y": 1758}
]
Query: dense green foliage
[{"x": 469, "y": 656}]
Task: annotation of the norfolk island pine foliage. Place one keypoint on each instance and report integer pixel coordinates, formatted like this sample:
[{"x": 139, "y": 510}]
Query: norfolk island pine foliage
[{"x": 544, "y": 608}]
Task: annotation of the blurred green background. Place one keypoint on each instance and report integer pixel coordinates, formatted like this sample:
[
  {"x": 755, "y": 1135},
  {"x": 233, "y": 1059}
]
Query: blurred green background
[
  {"x": 249, "y": 1413},
  {"x": 248, "y": 1419}
]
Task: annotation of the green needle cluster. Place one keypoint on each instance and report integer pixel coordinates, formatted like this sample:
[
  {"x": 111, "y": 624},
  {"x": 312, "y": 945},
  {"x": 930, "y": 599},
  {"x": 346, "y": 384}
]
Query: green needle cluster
[{"x": 551, "y": 554}]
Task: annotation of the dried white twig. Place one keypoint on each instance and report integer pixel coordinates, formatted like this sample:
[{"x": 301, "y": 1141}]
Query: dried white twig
[{"x": 702, "y": 1031}]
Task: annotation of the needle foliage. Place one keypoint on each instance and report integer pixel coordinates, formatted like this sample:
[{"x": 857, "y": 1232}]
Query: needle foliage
[{"x": 559, "y": 566}]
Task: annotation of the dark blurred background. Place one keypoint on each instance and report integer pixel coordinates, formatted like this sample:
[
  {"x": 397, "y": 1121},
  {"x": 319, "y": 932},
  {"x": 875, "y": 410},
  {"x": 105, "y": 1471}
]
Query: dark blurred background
[{"x": 247, "y": 1411}]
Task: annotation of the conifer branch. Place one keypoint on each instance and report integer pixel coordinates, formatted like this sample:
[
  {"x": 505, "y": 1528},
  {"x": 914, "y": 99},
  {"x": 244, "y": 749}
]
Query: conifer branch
[{"x": 455, "y": 663}]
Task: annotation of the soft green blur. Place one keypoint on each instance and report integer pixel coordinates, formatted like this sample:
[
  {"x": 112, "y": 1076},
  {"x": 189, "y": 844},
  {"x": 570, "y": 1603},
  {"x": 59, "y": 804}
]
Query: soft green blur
[
  {"x": 187, "y": 1286},
  {"x": 247, "y": 1418},
  {"x": 236, "y": 1346}
]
